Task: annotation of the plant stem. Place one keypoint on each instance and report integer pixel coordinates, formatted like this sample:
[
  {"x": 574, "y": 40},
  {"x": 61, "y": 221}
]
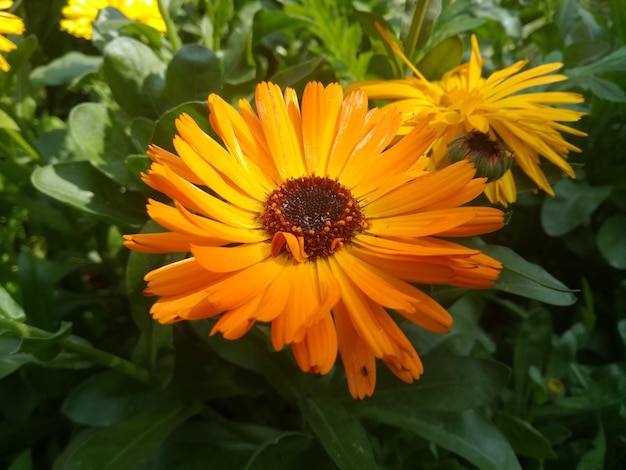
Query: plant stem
[
  {"x": 416, "y": 26},
  {"x": 172, "y": 33},
  {"x": 80, "y": 347}
]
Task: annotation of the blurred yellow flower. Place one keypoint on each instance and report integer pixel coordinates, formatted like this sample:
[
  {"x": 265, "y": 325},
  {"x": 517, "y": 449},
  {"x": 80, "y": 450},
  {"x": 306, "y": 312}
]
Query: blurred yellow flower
[
  {"x": 463, "y": 101},
  {"x": 9, "y": 24},
  {"x": 78, "y": 15},
  {"x": 306, "y": 217}
]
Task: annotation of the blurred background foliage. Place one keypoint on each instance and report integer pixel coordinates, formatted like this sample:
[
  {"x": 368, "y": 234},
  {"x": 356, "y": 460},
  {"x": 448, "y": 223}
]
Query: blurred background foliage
[{"x": 533, "y": 374}]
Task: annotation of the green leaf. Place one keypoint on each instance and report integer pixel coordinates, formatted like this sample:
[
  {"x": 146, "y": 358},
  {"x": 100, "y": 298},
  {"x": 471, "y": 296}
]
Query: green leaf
[
  {"x": 573, "y": 204},
  {"x": 193, "y": 74},
  {"x": 582, "y": 52},
  {"x": 449, "y": 383},
  {"x": 7, "y": 122},
  {"x": 95, "y": 130},
  {"x": 45, "y": 348},
  {"x": 343, "y": 437},
  {"x": 610, "y": 239},
  {"x": 210, "y": 443},
  {"x": 154, "y": 348},
  {"x": 135, "y": 75},
  {"x": 466, "y": 434},
  {"x": 290, "y": 76},
  {"x": 37, "y": 279},
  {"x": 26, "y": 47},
  {"x": 532, "y": 348},
  {"x": 443, "y": 57},
  {"x": 81, "y": 186},
  {"x": 252, "y": 353},
  {"x": 125, "y": 445},
  {"x": 9, "y": 308},
  {"x": 23, "y": 462},
  {"x": 594, "y": 458},
  {"x": 165, "y": 128},
  {"x": 288, "y": 451},
  {"x": 524, "y": 438},
  {"x": 65, "y": 69},
  {"x": 526, "y": 279},
  {"x": 109, "y": 398}
]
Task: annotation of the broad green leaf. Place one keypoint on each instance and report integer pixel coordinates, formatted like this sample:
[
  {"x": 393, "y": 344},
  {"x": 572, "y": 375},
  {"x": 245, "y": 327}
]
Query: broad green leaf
[
  {"x": 611, "y": 241},
  {"x": 379, "y": 45},
  {"x": 125, "y": 445},
  {"x": 290, "y": 76},
  {"x": 603, "y": 89},
  {"x": 573, "y": 204},
  {"x": 37, "y": 279},
  {"x": 214, "y": 442},
  {"x": 9, "y": 308},
  {"x": 141, "y": 132},
  {"x": 343, "y": 437},
  {"x": 154, "y": 348},
  {"x": 449, "y": 383},
  {"x": 23, "y": 462},
  {"x": 81, "y": 186},
  {"x": 443, "y": 57},
  {"x": 135, "y": 75},
  {"x": 239, "y": 64},
  {"x": 526, "y": 279},
  {"x": 165, "y": 128},
  {"x": 99, "y": 138},
  {"x": 582, "y": 52},
  {"x": 65, "y": 69},
  {"x": 524, "y": 438},
  {"x": 288, "y": 451},
  {"x": 46, "y": 347},
  {"x": 252, "y": 352},
  {"x": 594, "y": 458},
  {"x": 7, "y": 122},
  {"x": 109, "y": 398},
  {"x": 618, "y": 18},
  {"x": 193, "y": 73},
  {"x": 267, "y": 22},
  {"x": 10, "y": 361},
  {"x": 532, "y": 348},
  {"x": 466, "y": 434},
  {"x": 20, "y": 56}
]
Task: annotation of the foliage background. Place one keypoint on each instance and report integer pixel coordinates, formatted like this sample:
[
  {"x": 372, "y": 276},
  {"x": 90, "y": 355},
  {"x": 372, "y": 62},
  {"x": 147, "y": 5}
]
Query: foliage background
[{"x": 533, "y": 373}]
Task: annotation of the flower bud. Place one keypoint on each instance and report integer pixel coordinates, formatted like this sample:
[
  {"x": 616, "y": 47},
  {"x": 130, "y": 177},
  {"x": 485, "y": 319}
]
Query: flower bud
[{"x": 489, "y": 156}]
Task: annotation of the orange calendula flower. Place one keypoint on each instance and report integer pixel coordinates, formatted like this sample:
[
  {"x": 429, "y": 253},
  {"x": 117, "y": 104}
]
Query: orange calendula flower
[
  {"x": 463, "y": 101},
  {"x": 9, "y": 24},
  {"x": 78, "y": 15},
  {"x": 316, "y": 224}
]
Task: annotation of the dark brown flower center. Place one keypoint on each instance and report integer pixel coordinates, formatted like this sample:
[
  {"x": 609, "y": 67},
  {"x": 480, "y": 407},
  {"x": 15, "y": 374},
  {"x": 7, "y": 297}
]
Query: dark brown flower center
[{"x": 320, "y": 212}]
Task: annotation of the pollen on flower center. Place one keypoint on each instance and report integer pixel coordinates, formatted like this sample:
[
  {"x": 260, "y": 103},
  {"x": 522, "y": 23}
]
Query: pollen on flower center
[{"x": 319, "y": 211}]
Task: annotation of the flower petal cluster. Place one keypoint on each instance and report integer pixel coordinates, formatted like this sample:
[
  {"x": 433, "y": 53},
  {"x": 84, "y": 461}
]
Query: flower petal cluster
[
  {"x": 314, "y": 218},
  {"x": 463, "y": 101},
  {"x": 78, "y": 15},
  {"x": 9, "y": 24}
]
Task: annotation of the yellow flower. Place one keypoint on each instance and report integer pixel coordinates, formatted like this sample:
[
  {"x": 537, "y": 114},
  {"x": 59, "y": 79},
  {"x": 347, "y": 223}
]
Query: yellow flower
[
  {"x": 316, "y": 224},
  {"x": 463, "y": 101},
  {"x": 9, "y": 24},
  {"x": 79, "y": 14}
]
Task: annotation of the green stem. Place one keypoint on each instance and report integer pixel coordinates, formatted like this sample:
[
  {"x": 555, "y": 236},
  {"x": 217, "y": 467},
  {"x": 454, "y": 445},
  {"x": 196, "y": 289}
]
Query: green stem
[
  {"x": 416, "y": 26},
  {"x": 21, "y": 143},
  {"x": 172, "y": 33},
  {"x": 80, "y": 347}
]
